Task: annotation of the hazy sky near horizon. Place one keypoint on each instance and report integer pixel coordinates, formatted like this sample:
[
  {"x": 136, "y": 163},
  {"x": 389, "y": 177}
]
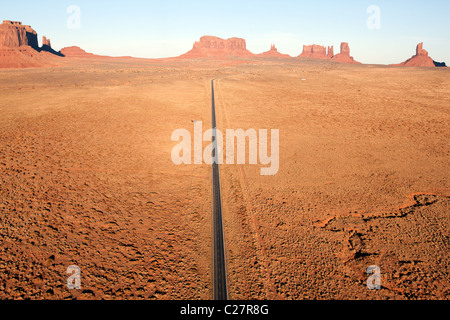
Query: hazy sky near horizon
[{"x": 167, "y": 28}]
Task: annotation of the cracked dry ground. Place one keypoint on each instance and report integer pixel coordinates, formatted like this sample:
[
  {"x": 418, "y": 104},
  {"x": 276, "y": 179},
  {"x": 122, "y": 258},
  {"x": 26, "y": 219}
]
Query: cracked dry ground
[{"x": 87, "y": 180}]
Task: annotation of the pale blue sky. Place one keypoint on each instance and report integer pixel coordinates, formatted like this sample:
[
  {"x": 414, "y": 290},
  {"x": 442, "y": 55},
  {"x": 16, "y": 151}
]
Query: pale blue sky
[{"x": 165, "y": 28}]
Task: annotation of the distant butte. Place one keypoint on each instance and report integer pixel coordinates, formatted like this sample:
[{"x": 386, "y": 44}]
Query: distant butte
[
  {"x": 315, "y": 51},
  {"x": 76, "y": 52},
  {"x": 420, "y": 59},
  {"x": 344, "y": 55},
  {"x": 19, "y": 47},
  {"x": 215, "y": 47},
  {"x": 321, "y": 52},
  {"x": 273, "y": 53}
]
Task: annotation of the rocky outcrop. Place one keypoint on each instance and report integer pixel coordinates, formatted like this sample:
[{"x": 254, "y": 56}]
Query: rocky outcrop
[
  {"x": 314, "y": 51},
  {"x": 420, "y": 59},
  {"x": 46, "y": 42},
  {"x": 14, "y": 35},
  {"x": 25, "y": 57},
  {"x": 19, "y": 46},
  {"x": 76, "y": 52},
  {"x": 209, "y": 46},
  {"x": 47, "y": 46},
  {"x": 345, "y": 48},
  {"x": 344, "y": 55},
  {"x": 420, "y": 51},
  {"x": 330, "y": 53},
  {"x": 273, "y": 53},
  {"x": 321, "y": 52}
]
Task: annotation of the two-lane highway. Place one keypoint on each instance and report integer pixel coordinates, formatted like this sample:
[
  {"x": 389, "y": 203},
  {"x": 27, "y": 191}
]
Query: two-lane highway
[{"x": 220, "y": 274}]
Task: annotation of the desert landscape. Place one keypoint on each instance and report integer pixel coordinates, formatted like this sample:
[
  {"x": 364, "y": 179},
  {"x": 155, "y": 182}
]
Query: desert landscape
[{"x": 87, "y": 177}]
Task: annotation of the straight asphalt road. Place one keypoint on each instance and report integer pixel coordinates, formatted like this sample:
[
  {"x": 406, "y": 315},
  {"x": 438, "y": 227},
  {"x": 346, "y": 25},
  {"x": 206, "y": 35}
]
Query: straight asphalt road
[{"x": 220, "y": 274}]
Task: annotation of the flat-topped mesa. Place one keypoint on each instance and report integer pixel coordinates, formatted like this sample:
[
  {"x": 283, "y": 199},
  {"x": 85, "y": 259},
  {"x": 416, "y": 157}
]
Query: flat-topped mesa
[
  {"x": 14, "y": 35},
  {"x": 344, "y": 55},
  {"x": 208, "y": 42},
  {"x": 421, "y": 59},
  {"x": 314, "y": 51},
  {"x": 210, "y": 46},
  {"x": 76, "y": 52}
]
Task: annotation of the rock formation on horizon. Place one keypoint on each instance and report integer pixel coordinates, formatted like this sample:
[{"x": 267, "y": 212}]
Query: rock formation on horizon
[
  {"x": 14, "y": 34},
  {"x": 315, "y": 51},
  {"x": 321, "y": 52},
  {"x": 47, "y": 46},
  {"x": 76, "y": 52},
  {"x": 210, "y": 46},
  {"x": 330, "y": 53},
  {"x": 19, "y": 46},
  {"x": 46, "y": 42},
  {"x": 344, "y": 55},
  {"x": 273, "y": 53},
  {"x": 420, "y": 59}
]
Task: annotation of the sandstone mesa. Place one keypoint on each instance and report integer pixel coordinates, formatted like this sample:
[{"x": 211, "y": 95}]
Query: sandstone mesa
[
  {"x": 344, "y": 55},
  {"x": 316, "y": 51},
  {"x": 327, "y": 53},
  {"x": 76, "y": 52},
  {"x": 214, "y": 47},
  {"x": 19, "y": 48},
  {"x": 210, "y": 46},
  {"x": 420, "y": 59}
]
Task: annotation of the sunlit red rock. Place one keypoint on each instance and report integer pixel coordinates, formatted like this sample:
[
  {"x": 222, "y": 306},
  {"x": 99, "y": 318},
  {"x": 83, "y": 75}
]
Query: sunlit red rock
[
  {"x": 19, "y": 47},
  {"x": 314, "y": 51},
  {"x": 420, "y": 59},
  {"x": 14, "y": 34},
  {"x": 344, "y": 55},
  {"x": 273, "y": 53},
  {"x": 46, "y": 42},
  {"x": 210, "y": 46},
  {"x": 76, "y": 52}
]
